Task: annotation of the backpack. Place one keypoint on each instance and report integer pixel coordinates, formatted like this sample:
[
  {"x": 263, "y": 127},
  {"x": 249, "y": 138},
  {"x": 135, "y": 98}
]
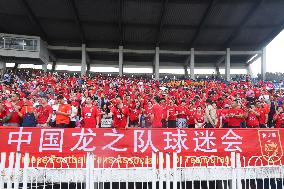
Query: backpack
[{"x": 29, "y": 120}]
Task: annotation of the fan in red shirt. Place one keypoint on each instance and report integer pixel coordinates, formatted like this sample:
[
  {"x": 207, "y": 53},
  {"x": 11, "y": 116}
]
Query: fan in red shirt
[
  {"x": 191, "y": 111},
  {"x": 147, "y": 112},
  {"x": 120, "y": 114},
  {"x": 279, "y": 118},
  {"x": 172, "y": 115},
  {"x": 157, "y": 113},
  {"x": 90, "y": 115},
  {"x": 2, "y": 113},
  {"x": 44, "y": 113},
  {"x": 234, "y": 116},
  {"x": 165, "y": 112},
  {"x": 263, "y": 115},
  {"x": 16, "y": 105},
  {"x": 199, "y": 118},
  {"x": 224, "y": 117},
  {"x": 181, "y": 120},
  {"x": 252, "y": 116},
  {"x": 135, "y": 115}
]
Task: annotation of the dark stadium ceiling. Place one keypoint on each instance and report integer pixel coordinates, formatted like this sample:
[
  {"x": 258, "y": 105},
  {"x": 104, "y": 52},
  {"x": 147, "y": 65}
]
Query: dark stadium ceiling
[{"x": 145, "y": 24}]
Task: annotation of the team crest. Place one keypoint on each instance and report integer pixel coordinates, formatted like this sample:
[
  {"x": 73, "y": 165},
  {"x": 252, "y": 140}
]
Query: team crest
[{"x": 270, "y": 143}]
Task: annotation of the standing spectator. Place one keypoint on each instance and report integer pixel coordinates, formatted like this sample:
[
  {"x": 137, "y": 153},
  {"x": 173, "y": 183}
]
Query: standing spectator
[
  {"x": 74, "y": 113},
  {"x": 120, "y": 114},
  {"x": 263, "y": 114},
  {"x": 199, "y": 118},
  {"x": 63, "y": 114},
  {"x": 90, "y": 115},
  {"x": 2, "y": 113},
  {"x": 165, "y": 113},
  {"x": 157, "y": 113},
  {"x": 44, "y": 112},
  {"x": 181, "y": 120},
  {"x": 14, "y": 107},
  {"x": 210, "y": 114},
  {"x": 191, "y": 111},
  {"x": 224, "y": 118},
  {"x": 272, "y": 111},
  {"x": 135, "y": 115},
  {"x": 251, "y": 116},
  {"x": 172, "y": 115},
  {"x": 55, "y": 107},
  {"x": 147, "y": 112},
  {"x": 27, "y": 114},
  {"x": 235, "y": 115},
  {"x": 279, "y": 118}
]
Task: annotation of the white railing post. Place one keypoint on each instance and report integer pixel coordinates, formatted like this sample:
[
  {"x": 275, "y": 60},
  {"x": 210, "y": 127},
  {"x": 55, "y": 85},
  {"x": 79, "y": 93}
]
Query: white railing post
[
  {"x": 25, "y": 171},
  {"x": 238, "y": 167},
  {"x": 88, "y": 170},
  {"x": 168, "y": 169},
  {"x": 175, "y": 170},
  {"x": 10, "y": 170},
  {"x": 161, "y": 170},
  {"x": 234, "y": 172},
  {"x": 17, "y": 170},
  {"x": 2, "y": 167},
  {"x": 92, "y": 167},
  {"x": 154, "y": 170}
]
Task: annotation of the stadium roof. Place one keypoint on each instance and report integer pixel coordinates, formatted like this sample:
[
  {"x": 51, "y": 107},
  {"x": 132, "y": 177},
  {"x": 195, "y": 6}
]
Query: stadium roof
[{"x": 145, "y": 24}]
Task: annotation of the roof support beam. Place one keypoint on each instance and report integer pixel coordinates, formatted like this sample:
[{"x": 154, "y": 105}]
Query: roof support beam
[
  {"x": 237, "y": 30},
  {"x": 33, "y": 19},
  {"x": 272, "y": 35},
  {"x": 203, "y": 22},
  {"x": 74, "y": 10},
  {"x": 245, "y": 19},
  {"x": 161, "y": 22},
  {"x": 201, "y": 25},
  {"x": 120, "y": 23},
  {"x": 141, "y": 51}
]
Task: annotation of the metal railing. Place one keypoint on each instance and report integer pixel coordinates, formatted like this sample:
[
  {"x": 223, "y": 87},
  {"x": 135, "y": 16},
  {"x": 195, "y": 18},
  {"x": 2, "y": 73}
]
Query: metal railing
[{"x": 161, "y": 170}]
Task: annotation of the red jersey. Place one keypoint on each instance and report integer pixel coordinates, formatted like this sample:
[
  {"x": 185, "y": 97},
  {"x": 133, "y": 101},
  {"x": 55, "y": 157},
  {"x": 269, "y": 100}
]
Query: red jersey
[
  {"x": 219, "y": 115},
  {"x": 262, "y": 115},
  {"x": 89, "y": 115},
  {"x": 224, "y": 113},
  {"x": 44, "y": 112},
  {"x": 158, "y": 113},
  {"x": 165, "y": 110},
  {"x": 182, "y": 112},
  {"x": 134, "y": 114},
  {"x": 120, "y": 116},
  {"x": 234, "y": 121},
  {"x": 190, "y": 116},
  {"x": 15, "y": 118},
  {"x": 252, "y": 120},
  {"x": 279, "y": 120},
  {"x": 147, "y": 113},
  {"x": 199, "y": 117},
  {"x": 172, "y": 111},
  {"x": 100, "y": 113}
]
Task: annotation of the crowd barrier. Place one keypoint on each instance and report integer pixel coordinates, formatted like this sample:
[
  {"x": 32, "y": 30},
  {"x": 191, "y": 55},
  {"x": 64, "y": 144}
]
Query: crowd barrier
[{"x": 146, "y": 163}]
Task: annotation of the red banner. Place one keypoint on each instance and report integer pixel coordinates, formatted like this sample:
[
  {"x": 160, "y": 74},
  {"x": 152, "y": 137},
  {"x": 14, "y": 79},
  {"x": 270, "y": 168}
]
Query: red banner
[{"x": 136, "y": 145}]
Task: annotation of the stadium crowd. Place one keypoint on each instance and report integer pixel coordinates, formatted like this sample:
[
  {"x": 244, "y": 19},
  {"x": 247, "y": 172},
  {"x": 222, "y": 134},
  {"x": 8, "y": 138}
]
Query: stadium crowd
[{"x": 36, "y": 99}]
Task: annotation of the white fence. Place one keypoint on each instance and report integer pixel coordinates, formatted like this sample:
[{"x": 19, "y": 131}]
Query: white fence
[{"x": 164, "y": 172}]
